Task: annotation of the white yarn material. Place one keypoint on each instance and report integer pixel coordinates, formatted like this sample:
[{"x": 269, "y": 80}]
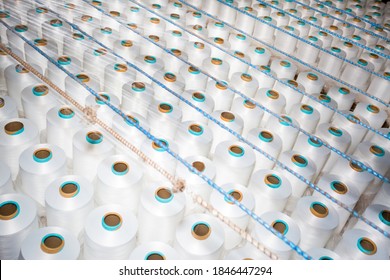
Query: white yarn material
[
  {"x": 154, "y": 251},
  {"x": 8, "y": 109}
]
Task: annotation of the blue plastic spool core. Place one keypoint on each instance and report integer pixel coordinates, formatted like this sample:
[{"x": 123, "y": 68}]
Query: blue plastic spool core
[
  {"x": 14, "y": 128},
  {"x": 307, "y": 109},
  {"x": 66, "y": 113},
  {"x": 193, "y": 70},
  {"x": 325, "y": 258},
  {"x": 102, "y": 96},
  {"x": 362, "y": 62},
  {"x": 366, "y": 246},
  {"x": 266, "y": 136},
  {"x": 40, "y": 90},
  {"x": 335, "y": 131},
  {"x": 377, "y": 150},
  {"x": 84, "y": 78},
  {"x": 285, "y": 120},
  {"x": 373, "y": 109},
  {"x": 112, "y": 221},
  {"x": 384, "y": 216},
  {"x": 118, "y": 67},
  {"x": 273, "y": 94},
  {"x": 163, "y": 195},
  {"x": 339, "y": 187},
  {"x": 94, "y": 137},
  {"x": 259, "y": 50},
  {"x": 273, "y": 181},
  {"x": 199, "y": 45},
  {"x": 106, "y": 30},
  {"x": 52, "y": 243},
  {"x": 69, "y": 189},
  {"x": 134, "y": 9},
  {"x": 285, "y": 63},
  {"x": 21, "y": 28},
  {"x": 197, "y": 14},
  {"x": 236, "y": 151},
  {"x": 4, "y": 14},
  {"x": 267, "y": 18},
  {"x": 155, "y": 256},
  {"x": 241, "y": 36},
  {"x": 344, "y": 91},
  {"x": 313, "y": 38},
  {"x": 155, "y": 6},
  {"x": 127, "y": 43},
  {"x": 138, "y": 86},
  {"x": 315, "y": 143},
  {"x": 78, "y": 36},
  {"x": 100, "y": 52},
  {"x": 120, "y": 168},
  {"x": 195, "y": 129},
  {"x": 165, "y": 108},
  {"x": 233, "y": 194},
  {"x": 9, "y": 210},
  {"x": 42, "y": 155},
  {"x": 319, "y": 209},
  {"x": 150, "y": 59},
  {"x": 227, "y": 117},
  {"x": 219, "y": 24},
  {"x": 324, "y": 98},
  {"x": 133, "y": 121},
  {"x": 280, "y": 226},
  {"x": 177, "y": 33},
  {"x": 64, "y": 60},
  {"x": 201, "y": 230},
  {"x": 299, "y": 160},
  {"x": 56, "y": 23},
  {"x": 159, "y": 148}
]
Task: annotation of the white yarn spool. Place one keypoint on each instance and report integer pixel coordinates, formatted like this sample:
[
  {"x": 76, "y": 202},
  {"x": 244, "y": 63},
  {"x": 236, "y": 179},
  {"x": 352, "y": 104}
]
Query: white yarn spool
[
  {"x": 77, "y": 90},
  {"x": 6, "y": 184},
  {"x": 148, "y": 64},
  {"x": 234, "y": 162},
  {"x": 164, "y": 118},
  {"x": 116, "y": 75},
  {"x": 9, "y": 18},
  {"x": 56, "y": 30},
  {"x": 326, "y": 114},
  {"x": 68, "y": 201},
  {"x": 110, "y": 233},
  {"x": 259, "y": 55},
  {"x": 153, "y": 50},
  {"x": 357, "y": 76},
  {"x": 281, "y": 19},
  {"x": 359, "y": 40},
  {"x": 380, "y": 216},
  {"x": 285, "y": 226},
  {"x": 89, "y": 149},
  {"x": 8, "y": 109},
  {"x": 300, "y": 164},
  {"x": 317, "y": 220},
  {"x": 216, "y": 67},
  {"x": 249, "y": 112},
  {"x": 306, "y": 11},
  {"x": 57, "y": 76},
  {"x": 154, "y": 250},
  {"x": 382, "y": 197},
  {"x": 199, "y": 237},
  {"x": 337, "y": 188},
  {"x": 47, "y": 46},
  {"x": 197, "y": 52},
  {"x": 194, "y": 79},
  {"x": 347, "y": 29},
  {"x": 247, "y": 252},
  {"x": 5, "y": 61},
  {"x": 290, "y": 94},
  {"x": 284, "y": 69},
  {"x": 379, "y": 87},
  {"x": 239, "y": 42},
  {"x": 236, "y": 63},
  {"x": 262, "y": 9},
  {"x": 293, "y": 12},
  {"x": 159, "y": 213},
  {"x": 16, "y": 42},
  {"x": 136, "y": 98},
  {"x": 176, "y": 8},
  {"x": 61, "y": 125},
  {"x": 39, "y": 166},
  {"x": 127, "y": 49},
  {"x": 93, "y": 57},
  {"x": 325, "y": 38},
  {"x": 266, "y": 141},
  {"x": 375, "y": 59},
  {"x": 103, "y": 112},
  {"x": 356, "y": 131},
  {"x": 312, "y": 83},
  {"x": 158, "y": 154},
  {"x": 343, "y": 96},
  {"x": 174, "y": 63},
  {"x": 18, "y": 217},
  {"x": 227, "y": 207},
  {"x": 372, "y": 114},
  {"x": 283, "y": 129},
  {"x": 245, "y": 22},
  {"x": 358, "y": 244},
  {"x": 351, "y": 50},
  {"x": 76, "y": 45},
  {"x": 272, "y": 100},
  {"x": 307, "y": 116},
  {"x": 221, "y": 94},
  {"x": 336, "y": 137},
  {"x": 227, "y": 13},
  {"x": 245, "y": 83},
  {"x": 308, "y": 53},
  {"x": 69, "y": 10},
  {"x": 229, "y": 119},
  {"x": 172, "y": 81},
  {"x": 106, "y": 35},
  {"x": 264, "y": 31},
  {"x": 196, "y": 184},
  {"x": 194, "y": 138},
  {"x": 322, "y": 254},
  {"x": 135, "y": 14},
  {"x": 314, "y": 150},
  {"x": 128, "y": 130},
  {"x": 195, "y": 18},
  {"x": 271, "y": 190},
  {"x": 176, "y": 39},
  {"x": 380, "y": 140},
  {"x": 17, "y": 78},
  {"x": 201, "y": 101},
  {"x": 87, "y": 23},
  {"x": 50, "y": 243},
  {"x": 37, "y": 100},
  {"x": 16, "y": 135},
  {"x": 199, "y": 33},
  {"x": 154, "y": 26},
  {"x": 115, "y": 19},
  {"x": 301, "y": 26},
  {"x": 284, "y": 41},
  {"x": 217, "y": 29},
  {"x": 119, "y": 181}
]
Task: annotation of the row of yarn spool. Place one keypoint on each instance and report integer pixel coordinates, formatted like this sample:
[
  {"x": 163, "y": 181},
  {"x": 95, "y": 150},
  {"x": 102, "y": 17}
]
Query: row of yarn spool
[{"x": 236, "y": 151}]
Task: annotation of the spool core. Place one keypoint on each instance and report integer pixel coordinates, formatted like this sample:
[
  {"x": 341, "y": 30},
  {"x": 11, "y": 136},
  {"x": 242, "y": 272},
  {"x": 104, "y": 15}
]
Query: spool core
[
  {"x": 66, "y": 113},
  {"x": 52, "y": 243},
  {"x": 319, "y": 210},
  {"x": 377, "y": 151},
  {"x": 163, "y": 195},
  {"x": 227, "y": 116},
  {"x": 367, "y": 246},
  {"x": 339, "y": 187},
  {"x": 8, "y": 210},
  {"x": 14, "y": 128},
  {"x": 165, "y": 108},
  {"x": 299, "y": 160},
  {"x": 2, "y": 102},
  {"x": 266, "y": 136},
  {"x": 198, "y": 165},
  {"x": 236, "y": 151},
  {"x": 112, "y": 221},
  {"x": 384, "y": 216},
  {"x": 280, "y": 226},
  {"x": 94, "y": 137},
  {"x": 195, "y": 129},
  {"x": 155, "y": 256},
  {"x": 69, "y": 189},
  {"x": 42, "y": 155},
  {"x": 120, "y": 168},
  {"x": 201, "y": 231},
  {"x": 272, "y": 181}
]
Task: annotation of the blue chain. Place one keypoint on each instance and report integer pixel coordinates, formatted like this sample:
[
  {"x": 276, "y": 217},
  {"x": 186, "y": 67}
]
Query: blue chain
[
  {"x": 324, "y": 29},
  {"x": 343, "y": 21},
  {"x": 352, "y": 15},
  {"x": 301, "y": 62},
  {"x": 291, "y": 244},
  {"x": 234, "y": 133},
  {"x": 303, "y": 40}
]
